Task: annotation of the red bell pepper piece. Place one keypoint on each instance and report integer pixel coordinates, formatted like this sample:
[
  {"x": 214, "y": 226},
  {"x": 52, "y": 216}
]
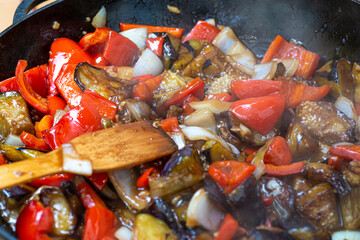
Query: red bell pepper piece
[
  {"x": 98, "y": 223},
  {"x": 78, "y": 121},
  {"x": 99, "y": 180},
  {"x": 261, "y": 113},
  {"x": 202, "y": 31},
  {"x": 27, "y": 92},
  {"x": 335, "y": 162},
  {"x": 100, "y": 60},
  {"x": 143, "y": 180},
  {"x": 186, "y": 104},
  {"x": 228, "y": 228},
  {"x": 296, "y": 93},
  {"x": 67, "y": 86},
  {"x": 33, "y": 142},
  {"x": 142, "y": 78},
  {"x": 156, "y": 45},
  {"x": 280, "y": 48},
  {"x": 119, "y": 50},
  {"x": 94, "y": 42},
  {"x": 53, "y": 180},
  {"x": 230, "y": 174},
  {"x": 9, "y": 85},
  {"x": 106, "y": 108},
  {"x": 225, "y": 97},
  {"x": 3, "y": 160},
  {"x": 348, "y": 152},
  {"x": 88, "y": 196},
  {"x": 254, "y": 88},
  {"x": 278, "y": 152},
  {"x": 64, "y": 51},
  {"x": 144, "y": 91},
  {"x": 177, "y": 32},
  {"x": 293, "y": 168},
  {"x": 170, "y": 125},
  {"x": 357, "y": 108},
  {"x": 46, "y": 123},
  {"x": 34, "y": 222},
  {"x": 55, "y": 103}
]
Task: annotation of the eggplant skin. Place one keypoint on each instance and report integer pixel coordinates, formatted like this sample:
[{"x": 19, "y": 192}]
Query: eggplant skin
[{"x": 325, "y": 122}]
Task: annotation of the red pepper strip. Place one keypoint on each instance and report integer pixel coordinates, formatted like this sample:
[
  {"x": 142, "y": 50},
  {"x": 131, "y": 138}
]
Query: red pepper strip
[
  {"x": 186, "y": 104},
  {"x": 348, "y": 152},
  {"x": 33, "y": 142},
  {"x": 119, "y": 50},
  {"x": 335, "y": 162},
  {"x": 142, "y": 78},
  {"x": 53, "y": 180},
  {"x": 78, "y": 121},
  {"x": 67, "y": 86},
  {"x": 3, "y": 160},
  {"x": 261, "y": 113},
  {"x": 202, "y": 31},
  {"x": 33, "y": 98},
  {"x": 143, "y": 180},
  {"x": 88, "y": 196},
  {"x": 34, "y": 222},
  {"x": 46, "y": 123},
  {"x": 94, "y": 42},
  {"x": 230, "y": 174},
  {"x": 64, "y": 51},
  {"x": 106, "y": 108},
  {"x": 280, "y": 48},
  {"x": 9, "y": 85},
  {"x": 296, "y": 93},
  {"x": 254, "y": 88},
  {"x": 228, "y": 228},
  {"x": 357, "y": 108},
  {"x": 293, "y": 168},
  {"x": 99, "y": 222},
  {"x": 55, "y": 103},
  {"x": 99, "y": 180},
  {"x": 225, "y": 97},
  {"x": 170, "y": 125},
  {"x": 177, "y": 32},
  {"x": 278, "y": 152},
  {"x": 144, "y": 91},
  {"x": 156, "y": 45}
]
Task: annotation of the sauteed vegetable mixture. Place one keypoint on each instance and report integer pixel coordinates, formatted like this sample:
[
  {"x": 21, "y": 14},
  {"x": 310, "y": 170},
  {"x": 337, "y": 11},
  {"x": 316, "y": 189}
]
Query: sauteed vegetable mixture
[{"x": 266, "y": 147}]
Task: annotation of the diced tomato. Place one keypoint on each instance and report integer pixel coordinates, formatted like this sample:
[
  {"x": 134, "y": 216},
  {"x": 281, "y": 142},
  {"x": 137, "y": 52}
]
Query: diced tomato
[
  {"x": 119, "y": 50},
  {"x": 33, "y": 142},
  {"x": 100, "y": 60},
  {"x": 225, "y": 97},
  {"x": 278, "y": 152},
  {"x": 348, "y": 152},
  {"x": 170, "y": 125},
  {"x": 34, "y": 222},
  {"x": 88, "y": 196},
  {"x": 202, "y": 31},
  {"x": 177, "y": 32},
  {"x": 228, "y": 228},
  {"x": 99, "y": 180},
  {"x": 106, "y": 108},
  {"x": 280, "y": 48},
  {"x": 261, "y": 113},
  {"x": 53, "y": 180},
  {"x": 55, "y": 103},
  {"x": 156, "y": 45},
  {"x": 99, "y": 222},
  {"x": 230, "y": 174},
  {"x": 254, "y": 88},
  {"x": 284, "y": 170},
  {"x": 143, "y": 180}
]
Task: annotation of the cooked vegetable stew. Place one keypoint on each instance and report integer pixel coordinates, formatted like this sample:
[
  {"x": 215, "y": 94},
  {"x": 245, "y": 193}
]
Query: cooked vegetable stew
[{"x": 267, "y": 148}]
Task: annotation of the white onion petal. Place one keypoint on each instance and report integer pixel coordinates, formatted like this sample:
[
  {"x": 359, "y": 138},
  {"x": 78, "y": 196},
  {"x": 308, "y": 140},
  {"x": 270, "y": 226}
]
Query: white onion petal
[
  {"x": 346, "y": 235},
  {"x": 290, "y": 64},
  {"x": 214, "y": 105},
  {"x": 73, "y": 163},
  {"x": 100, "y": 18},
  {"x": 265, "y": 70},
  {"x": 123, "y": 233},
  {"x": 202, "y": 118},
  {"x": 346, "y": 106},
  {"x": 148, "y": 63},
  {"x": 14, "y": 140},
  {"x": 137, "y": 36},
  {"x": 179, "y": 139}
]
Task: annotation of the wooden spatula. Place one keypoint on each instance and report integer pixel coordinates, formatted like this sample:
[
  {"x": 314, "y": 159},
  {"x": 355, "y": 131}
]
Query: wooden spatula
[{"x": 123, "y": 146}]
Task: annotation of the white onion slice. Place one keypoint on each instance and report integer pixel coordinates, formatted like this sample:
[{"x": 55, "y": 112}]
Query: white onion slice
[
  {"x": 265, "y": 70},
  {"x": 73, "y": 163},
  {"x": 214, "y": 105},
  {"x": 211, "y": 21},
  {"x": 123, "y": 233},
  {"x": 100, "y": 18},
  {"x": 203, "y": 212},
  {"x": 14, "y": 140},
  {"x": 202, "y": 118},
  {"x": 148, "y": 63},
  {"x": 179, "y": 139},
  {"x": 290, "y": 65},
  {"x": 346, "y": 235},
  {"x": 137, "y": 36},
  {"x": 346, "y": 106},
  {"x": 199, "y": 133}
]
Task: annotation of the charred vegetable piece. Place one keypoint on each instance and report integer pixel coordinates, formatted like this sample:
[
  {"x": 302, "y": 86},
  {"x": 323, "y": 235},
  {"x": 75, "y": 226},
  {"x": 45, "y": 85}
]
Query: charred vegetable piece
[
  {"x": 125, "y": 215},
  {"x": 325, "y": 122},
  {"x": 4, "y": 129},
  {"x": 148, "y": 227},
  {"x": 14, "y": 153},
  {"x": 134, "y": 110},
  {"x": 337, "y": 73},
  {"x": 217, "y": 152},
  {"x": 185, "y": 57},
  {"x": 99, "y": 81},
  {"x": 170, "y": 49},
  {"x": 14, "y": 109},
  {"x": 322, "y": 152},
  {"x": 180, "y": 172},
  {"x": 9, "y": 211}
]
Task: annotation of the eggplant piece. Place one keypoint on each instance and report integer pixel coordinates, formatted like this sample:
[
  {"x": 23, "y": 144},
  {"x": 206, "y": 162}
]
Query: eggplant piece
[
  {"x": 180, "y": 172},
  {"x": 132, "y": 110},
  {"x": 356, "y": 74},
  {"x": 223, "y": 126},
  {"x": 9, "y": 211},
  {"x": 170, "y": 50},
  {"x": 99, "y": 81},
  {"x": 14, "y": 110},
  {"x": 148, "y": 227},
  {"x": 4, "y": 129},
  {"x": 264, "y": 233},
  {"x": 321, "y": 172},
  {"x": 184, "y": 58},
  {"x": 351, "y": 173},
  {"x": 217, "y": 152},
  {"x": 319, "y": 206},
  {"x": 322, "y": 152},
  {"x": 325, "y": 122},
  {"x": 15, "y": 153},
  {"x": 125, "y": 215},
  {"x": 195, "y": 46}
]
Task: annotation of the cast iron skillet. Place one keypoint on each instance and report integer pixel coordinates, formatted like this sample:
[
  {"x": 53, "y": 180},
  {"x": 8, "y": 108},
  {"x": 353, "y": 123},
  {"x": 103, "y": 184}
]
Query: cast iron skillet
[{"x": 329, "y": 27}]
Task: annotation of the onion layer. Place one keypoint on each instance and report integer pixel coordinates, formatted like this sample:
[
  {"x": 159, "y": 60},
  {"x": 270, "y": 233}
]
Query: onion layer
[{"x": 148, "y": 63}]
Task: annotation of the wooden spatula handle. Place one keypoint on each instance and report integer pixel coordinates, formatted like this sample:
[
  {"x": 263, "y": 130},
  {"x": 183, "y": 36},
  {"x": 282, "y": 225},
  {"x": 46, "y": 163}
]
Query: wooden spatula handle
[{"x": 24, "y": 171}]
